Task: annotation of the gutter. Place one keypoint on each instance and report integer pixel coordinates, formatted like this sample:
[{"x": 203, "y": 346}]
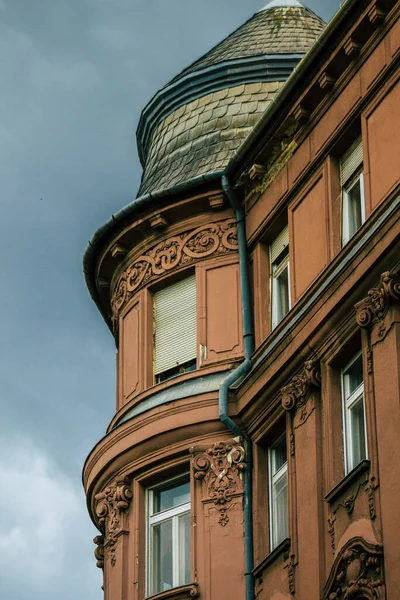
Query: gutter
[{"x": 242, "y": 370}]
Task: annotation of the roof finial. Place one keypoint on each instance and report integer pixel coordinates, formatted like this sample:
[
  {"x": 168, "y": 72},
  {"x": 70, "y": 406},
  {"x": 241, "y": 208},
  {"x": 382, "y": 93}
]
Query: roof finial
[{"x": 280, "y": 3}]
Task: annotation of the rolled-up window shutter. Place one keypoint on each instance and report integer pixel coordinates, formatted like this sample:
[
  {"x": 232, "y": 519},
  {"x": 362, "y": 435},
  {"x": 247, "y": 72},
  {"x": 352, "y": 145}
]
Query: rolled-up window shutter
[
  {"x": 279, "y": 244},
  {"x": 351, "y": 161},
  {"x": 175, "y": 340}
]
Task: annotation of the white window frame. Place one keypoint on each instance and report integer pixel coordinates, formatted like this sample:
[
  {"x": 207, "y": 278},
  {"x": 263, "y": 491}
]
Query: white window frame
[
  {"x": 166, "y": 515},
  {"x": 347, "y": 233},
  {"x": 349, "y": 401},
  {"x": 275, "y": 477},
  {"x": 279, "y": 261},
  {"x": 351, "y": 172}
]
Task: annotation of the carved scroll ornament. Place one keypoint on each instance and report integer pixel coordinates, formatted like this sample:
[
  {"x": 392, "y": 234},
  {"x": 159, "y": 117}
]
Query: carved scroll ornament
[
  {"x": 177, "y": 251},
  {"x": 374, "y": 307},
  {"x": 99, "y": 551},
  {"x": 357, "y": 573},
  {"x": 296, "y": 393},
  {"x": 111, "y": 504},
  {"x": 220, "y": 468}
]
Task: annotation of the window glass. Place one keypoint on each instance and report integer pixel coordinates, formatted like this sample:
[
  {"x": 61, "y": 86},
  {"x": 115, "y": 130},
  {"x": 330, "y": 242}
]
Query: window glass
[
  {"x": 278, "y": 492},
  {"x": 173, "y": 495},
  {"x": 169, "y": 536},
  {"x": 352, "y": 184},
  {"x": 354, "y": 426}
]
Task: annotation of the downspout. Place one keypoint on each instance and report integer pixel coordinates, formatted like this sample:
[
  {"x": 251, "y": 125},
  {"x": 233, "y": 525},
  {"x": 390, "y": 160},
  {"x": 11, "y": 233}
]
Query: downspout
[{"x": 241, "y": 370}]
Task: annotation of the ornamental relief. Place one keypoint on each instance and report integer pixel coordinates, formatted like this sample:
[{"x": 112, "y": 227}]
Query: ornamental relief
[
  {"x": 111, "y": 504},
  {"x": 177, "y": 251},
  {"x": 220, "y": 468},
  {"x": 374, "y": 307},
  {"x": 357, "y": 573},
  {"x": 295, "y": 394}
]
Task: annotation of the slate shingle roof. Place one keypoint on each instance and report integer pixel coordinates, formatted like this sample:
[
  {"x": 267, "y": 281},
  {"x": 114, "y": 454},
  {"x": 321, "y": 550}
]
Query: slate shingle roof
[
  {"x": 203, "y": 135},
  {"x": 275, "y": 31}
]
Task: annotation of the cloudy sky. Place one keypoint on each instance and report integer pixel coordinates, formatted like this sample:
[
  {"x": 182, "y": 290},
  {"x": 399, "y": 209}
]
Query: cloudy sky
[{"x": 74, "y": 75}]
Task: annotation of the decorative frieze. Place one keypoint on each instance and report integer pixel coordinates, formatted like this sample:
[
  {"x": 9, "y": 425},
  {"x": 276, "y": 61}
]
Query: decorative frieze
[
  {"x": 357, "y": 572},
  {"x": 111, "y": 504},
  {"x": 174, "y": 252},
  {"x": 374, "y": 307},
  {"x": 220, "y": 468},
  {"x": 296, "y": 393}
]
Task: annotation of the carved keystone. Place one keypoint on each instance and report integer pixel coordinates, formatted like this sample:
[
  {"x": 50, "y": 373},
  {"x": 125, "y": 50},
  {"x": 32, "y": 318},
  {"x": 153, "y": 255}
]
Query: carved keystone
[
  {"x": 220, "y": 468},
  {"x": 296, "y": 393},
  {"x": 111, "y": 504},
  {"x": 374, "y": 307}
]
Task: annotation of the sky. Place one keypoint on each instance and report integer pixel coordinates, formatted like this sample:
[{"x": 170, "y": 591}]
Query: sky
[{"x": 74, "y": 77}]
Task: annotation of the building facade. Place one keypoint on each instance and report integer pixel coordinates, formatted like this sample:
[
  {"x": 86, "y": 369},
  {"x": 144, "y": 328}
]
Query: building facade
[{"x": 253, "y": 290}]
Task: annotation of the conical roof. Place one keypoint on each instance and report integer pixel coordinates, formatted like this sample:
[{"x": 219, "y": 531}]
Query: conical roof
[{"x": 195, "y": 123}]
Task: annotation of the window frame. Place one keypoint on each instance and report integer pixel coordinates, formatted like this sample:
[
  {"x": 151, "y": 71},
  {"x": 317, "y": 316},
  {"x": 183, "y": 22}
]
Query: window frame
[
  {"x": 278, "y": 264},
  {"x": 349, "y": 401},
  {"x": 172, "y": 514},
  {"x": 190, "y": 364},
  {"x": 275, "y": 477},
  {"x": 347, "y": 233}
]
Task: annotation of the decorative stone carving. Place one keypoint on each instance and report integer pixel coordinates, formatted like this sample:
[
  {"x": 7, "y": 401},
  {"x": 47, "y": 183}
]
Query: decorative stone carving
[
  {"x": 111, "y": 504},
  {"x": 99, "y": 551},
  {"x": 177, "y": 251},
  {"x": 290, "y": 563},
  {"x": 374, "y": 307},
  {"x": 296, "y": 393},
  {"x": 331, "y": 530},
  {"x": 220, "y": 468},
  {"x": 369, "y": 361},
  {"x": 357, "y": 573},
  {"x": 370, "y": 491}
]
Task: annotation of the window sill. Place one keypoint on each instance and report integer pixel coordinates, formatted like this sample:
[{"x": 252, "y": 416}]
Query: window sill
[
  {"x": 362, "y": 467},
  {"x": 184, "y": 592},
  {"x": 272, "y": 556}
]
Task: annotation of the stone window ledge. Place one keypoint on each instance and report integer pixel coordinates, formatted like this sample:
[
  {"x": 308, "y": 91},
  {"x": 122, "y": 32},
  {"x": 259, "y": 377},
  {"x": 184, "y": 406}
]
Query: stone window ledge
[
  {"x": 348, "y": 480},
  {"x": 282, "y": 548},
  {"x": 184, "y": 592}
]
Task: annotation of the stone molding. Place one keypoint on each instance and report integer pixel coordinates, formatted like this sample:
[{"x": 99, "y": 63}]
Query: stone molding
[
  {"x": 174, "y": 252},
  {"x": 99, "y": 551},
  {"x": 373, "y": 308},
  {"x": 220, "y": 468},
  {"x": 184, "y": 592},
  {"x": 111, "y": 504},
  {"x": 357, "y": 573},
  {"x": 296, "y": 393}
]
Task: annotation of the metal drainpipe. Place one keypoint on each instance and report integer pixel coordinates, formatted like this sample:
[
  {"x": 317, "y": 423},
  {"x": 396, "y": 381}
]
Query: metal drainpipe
[{"x": 242, "y": 369}]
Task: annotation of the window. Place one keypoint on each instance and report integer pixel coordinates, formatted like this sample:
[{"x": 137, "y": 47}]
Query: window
[
  {"x": 352, "y": 184},
  {"x": 175, "y": 340},
  {"x": 168, "y": 536},
  {"x": 278, "y": 492},
  {"x": 354, "y": 434},
  {"x": 280, "y": 287}
]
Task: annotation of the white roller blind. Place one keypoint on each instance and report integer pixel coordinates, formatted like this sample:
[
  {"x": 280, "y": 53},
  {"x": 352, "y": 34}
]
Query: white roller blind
[
  {"x": 351, "y": 161},
  {"x": 279, "y": 244},
  {"x": 175, "y": 340}
]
